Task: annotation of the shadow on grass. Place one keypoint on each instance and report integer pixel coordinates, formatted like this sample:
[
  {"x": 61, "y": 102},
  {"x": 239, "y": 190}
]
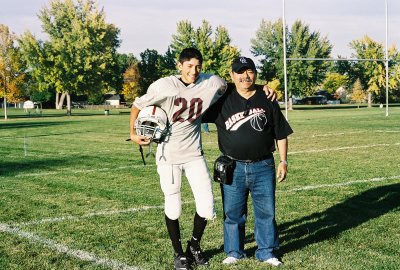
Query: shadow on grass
[
  {"x": 344, "y": 216},
  {"x": 52, "y": 115},
  {"x": 34, "y": 124},
  {"x": 31, "y": 166},
  {"x": 322, "y": 226}
]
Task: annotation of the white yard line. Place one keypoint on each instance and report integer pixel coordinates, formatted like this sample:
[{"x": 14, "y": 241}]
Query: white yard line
[
  {"x": 82, "y": 171},
  {"x": 377, "y": 179},
  {"x": 335, "y": 134},
  {"x": 93, "y": 214},
  {"x": 327, "y": 135},
  {"x": 145, "y": 208},
  {"x": 76, "y": 253},
  {"x": 114, "y": 264},
  {"x": 153, "y": 164},
  {"x": 342, "y": 148}
]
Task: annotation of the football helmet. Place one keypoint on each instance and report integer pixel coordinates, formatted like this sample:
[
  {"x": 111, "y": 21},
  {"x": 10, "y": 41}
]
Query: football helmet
[{"x": 152, "y": 122}]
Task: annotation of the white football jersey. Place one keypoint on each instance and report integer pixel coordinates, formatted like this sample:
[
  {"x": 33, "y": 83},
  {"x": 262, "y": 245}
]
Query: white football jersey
[{"x": 184, "y": 106}]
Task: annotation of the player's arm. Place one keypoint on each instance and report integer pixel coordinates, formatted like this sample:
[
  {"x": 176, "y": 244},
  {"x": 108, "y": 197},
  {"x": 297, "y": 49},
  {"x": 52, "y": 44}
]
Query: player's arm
[
  {"x": 141, "y": 140},
  {"x": 282, "y": 166}
]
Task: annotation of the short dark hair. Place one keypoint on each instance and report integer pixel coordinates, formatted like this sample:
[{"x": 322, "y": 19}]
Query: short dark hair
[{"x": 189, "y": 53}]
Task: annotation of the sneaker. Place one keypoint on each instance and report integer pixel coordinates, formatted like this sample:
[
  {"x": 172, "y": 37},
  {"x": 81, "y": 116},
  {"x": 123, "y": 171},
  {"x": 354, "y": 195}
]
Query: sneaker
[
  {"x": 196, "y": 255},
  {"x": 181, "y": 263},
  {"x": 273, "y": 261},
  {"x": 230, "y": 260}
]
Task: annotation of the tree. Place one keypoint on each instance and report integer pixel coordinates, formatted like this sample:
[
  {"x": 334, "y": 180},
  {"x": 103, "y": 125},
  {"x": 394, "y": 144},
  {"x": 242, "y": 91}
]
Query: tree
[
  {"x": 303, "y": 76},
  {"x": 276, "y": 85},
  {"x": 123, "y": 62},
  {"x": 372, "y": 74},
  {"x": 11, "y": 68},
  {"x": 168, "y": 63},
  {"x": 80, "y": 55},
  {"x": 184, "y": 38},
  {"x": 216, "y": 49},
  {"x": 149, "y": 69},
  {"x": 224, "y": 53},
  {"x": 358, "y": 95},
  {"x": 203, "y": 42},
  {"x": 131, "y": 88},
  {"x": 333, "y": 81}
]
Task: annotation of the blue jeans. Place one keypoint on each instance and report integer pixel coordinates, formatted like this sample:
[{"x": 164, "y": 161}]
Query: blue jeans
[
  {"x": 205, "y": 127},
  {"x": 258, "y": 178}
]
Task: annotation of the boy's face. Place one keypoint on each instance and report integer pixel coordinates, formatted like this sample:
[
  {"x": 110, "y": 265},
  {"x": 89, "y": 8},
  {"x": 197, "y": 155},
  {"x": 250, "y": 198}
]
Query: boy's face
[{"x": 190, "y": 70}]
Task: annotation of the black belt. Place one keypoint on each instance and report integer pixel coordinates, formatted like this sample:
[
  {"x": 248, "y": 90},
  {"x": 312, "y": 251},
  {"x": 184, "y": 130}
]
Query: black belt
[{"x": 252, "y": 160}]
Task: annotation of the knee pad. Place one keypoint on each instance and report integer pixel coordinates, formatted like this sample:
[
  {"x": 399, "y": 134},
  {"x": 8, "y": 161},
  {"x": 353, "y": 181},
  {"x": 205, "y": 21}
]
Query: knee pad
[
  {"x": 206, "y": 211},
  {"x": 172, "y": 213},
  {"x": 173, "y": 206}
]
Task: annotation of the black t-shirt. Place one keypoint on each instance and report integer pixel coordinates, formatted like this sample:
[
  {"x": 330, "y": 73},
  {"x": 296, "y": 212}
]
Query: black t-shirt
[{"x": 247, "y": 128}]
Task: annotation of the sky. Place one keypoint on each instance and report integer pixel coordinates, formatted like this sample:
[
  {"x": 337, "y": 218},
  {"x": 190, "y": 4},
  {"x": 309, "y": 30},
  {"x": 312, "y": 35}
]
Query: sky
[{"x": 150, "y": 24}]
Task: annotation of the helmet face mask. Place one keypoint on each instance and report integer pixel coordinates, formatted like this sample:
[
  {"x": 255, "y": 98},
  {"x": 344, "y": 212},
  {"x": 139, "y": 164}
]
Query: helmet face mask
[{"x": 152, "y": 122}]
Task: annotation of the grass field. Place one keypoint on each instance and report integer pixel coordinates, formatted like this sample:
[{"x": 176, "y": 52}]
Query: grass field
[{"x": 75, "y": 195}]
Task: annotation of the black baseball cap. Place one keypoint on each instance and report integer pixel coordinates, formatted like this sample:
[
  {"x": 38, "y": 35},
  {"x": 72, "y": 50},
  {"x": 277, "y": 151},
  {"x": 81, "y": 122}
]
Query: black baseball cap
[{"x": 243, "y": 62}]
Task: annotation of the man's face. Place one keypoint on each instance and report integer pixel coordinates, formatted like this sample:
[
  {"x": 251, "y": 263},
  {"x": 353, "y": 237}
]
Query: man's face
[
  {"x": 190, "y": 70},
  {"x": 244, "y": 79}
]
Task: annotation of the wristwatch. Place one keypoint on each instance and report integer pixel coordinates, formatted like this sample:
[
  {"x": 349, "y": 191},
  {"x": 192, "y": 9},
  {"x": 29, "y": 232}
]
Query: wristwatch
[{"x": 284, "y": 161}]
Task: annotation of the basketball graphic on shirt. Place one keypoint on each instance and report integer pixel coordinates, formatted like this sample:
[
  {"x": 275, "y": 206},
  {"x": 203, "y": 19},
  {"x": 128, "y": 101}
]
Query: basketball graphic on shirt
[{"x": 258, "y": 121}]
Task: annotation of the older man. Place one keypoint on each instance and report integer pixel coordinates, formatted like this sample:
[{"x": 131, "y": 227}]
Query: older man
[{"x": 249, "y": 125}]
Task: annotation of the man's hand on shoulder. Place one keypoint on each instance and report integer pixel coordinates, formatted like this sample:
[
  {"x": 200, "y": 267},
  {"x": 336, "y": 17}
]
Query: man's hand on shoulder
[{"x": 271, "y": 94}]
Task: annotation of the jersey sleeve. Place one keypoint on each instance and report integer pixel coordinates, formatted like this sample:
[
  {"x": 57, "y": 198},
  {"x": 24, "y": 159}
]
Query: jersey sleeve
[
  {"x": 281, "y": 126},
  {"x": 218, "y": 83},
  {"x": 156, "y": 94}
]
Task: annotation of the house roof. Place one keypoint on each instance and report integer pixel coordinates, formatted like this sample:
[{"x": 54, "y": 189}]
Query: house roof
[{"x": 112, "y": 97}]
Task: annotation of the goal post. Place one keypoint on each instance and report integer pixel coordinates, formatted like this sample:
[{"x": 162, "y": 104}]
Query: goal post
[{"x": 285, "y": 59}]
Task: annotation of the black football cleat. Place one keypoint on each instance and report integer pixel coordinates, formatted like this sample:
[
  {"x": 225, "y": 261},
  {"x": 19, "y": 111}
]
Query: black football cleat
[
  {"x": 196, "y": 255},
  {"x": 182, "y": 263}
]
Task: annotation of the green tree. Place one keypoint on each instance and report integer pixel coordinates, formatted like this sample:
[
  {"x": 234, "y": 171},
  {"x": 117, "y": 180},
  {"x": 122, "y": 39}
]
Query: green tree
[
  {"x": 123, "y": 62},
  {"x": 11, "y": 68},
  {"x": 204, "y": 44},
  {"x": 149, "y": 69},
  {"x": 168, "y": 63},
  {"x": 216, "y": 49},
  {"x": 372, "y": 74},
  {"x": 333, "y": 81},
  {"x": 268, "y": 45},
  {"x": 224, "y": 53},
  {"x": 80, "y": 54},
  {"x": 184, "y": 37},
  {"x": 303, "y": 76}
]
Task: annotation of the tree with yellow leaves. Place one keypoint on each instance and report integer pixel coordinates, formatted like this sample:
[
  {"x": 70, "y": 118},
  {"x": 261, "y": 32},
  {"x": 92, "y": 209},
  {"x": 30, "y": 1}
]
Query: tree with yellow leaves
[
  {"x": 373, "y": 73},
  {"x": 130, "y": 88},
  {"x": 11, "y": 75},
  {"x": 358, "y": 95}
]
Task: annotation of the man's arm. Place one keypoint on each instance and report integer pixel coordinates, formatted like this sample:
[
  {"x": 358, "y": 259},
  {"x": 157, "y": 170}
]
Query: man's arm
[
  {"x": 141, "y": 140},
  {"x": 282, "y": 166}
]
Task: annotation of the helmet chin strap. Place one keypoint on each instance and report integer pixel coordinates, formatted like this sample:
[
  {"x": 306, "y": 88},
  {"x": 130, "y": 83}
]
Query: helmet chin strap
[{"x": 141, "y": 152}]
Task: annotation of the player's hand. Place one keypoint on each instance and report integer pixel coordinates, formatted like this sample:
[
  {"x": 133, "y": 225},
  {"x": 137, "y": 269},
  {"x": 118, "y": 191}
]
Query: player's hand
[
  {"x": 139, "y": 139},
  {"x": 281, "y": 172},
  {"x": 271, "y": 94}
]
